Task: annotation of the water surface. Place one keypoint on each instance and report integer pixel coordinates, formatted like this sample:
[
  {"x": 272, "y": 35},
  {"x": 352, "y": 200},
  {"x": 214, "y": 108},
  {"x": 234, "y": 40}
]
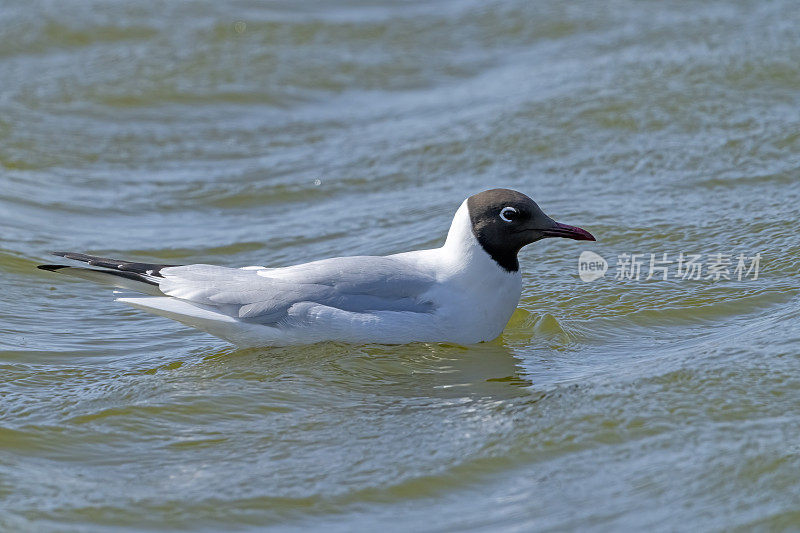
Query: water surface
[{"x": 284, "y": 132}]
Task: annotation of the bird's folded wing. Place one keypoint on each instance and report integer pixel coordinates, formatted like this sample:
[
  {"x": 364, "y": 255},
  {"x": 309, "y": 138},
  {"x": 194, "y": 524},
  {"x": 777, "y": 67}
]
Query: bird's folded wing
[{"x": 358, "y": 284}]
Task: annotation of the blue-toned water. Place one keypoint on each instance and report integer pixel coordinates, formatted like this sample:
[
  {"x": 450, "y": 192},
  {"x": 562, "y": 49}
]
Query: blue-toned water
[{"x": 282, "y": 132}]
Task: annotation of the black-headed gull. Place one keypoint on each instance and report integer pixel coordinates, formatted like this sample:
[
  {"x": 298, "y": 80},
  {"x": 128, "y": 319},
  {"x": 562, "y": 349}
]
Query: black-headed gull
[{"x": 462, "y": 293}]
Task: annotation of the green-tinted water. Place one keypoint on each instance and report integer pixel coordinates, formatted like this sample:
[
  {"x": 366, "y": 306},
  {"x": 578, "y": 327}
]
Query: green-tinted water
[{"x": 284, "y": 132}]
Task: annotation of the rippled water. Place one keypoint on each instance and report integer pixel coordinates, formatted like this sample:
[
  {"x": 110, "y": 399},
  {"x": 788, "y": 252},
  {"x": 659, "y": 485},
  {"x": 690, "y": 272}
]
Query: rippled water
[{"x": 284, "y": 132}]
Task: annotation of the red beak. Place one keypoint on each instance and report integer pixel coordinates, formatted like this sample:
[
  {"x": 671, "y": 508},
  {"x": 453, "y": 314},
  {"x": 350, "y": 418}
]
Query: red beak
[{"x": 568, "y": 232}]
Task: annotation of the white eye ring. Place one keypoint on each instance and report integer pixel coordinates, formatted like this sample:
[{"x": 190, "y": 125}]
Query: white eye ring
[{"x": 507, "y": 211}]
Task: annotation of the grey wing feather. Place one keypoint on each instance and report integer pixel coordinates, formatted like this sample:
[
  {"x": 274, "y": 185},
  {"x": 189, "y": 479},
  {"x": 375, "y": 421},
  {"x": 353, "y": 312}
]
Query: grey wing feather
[{"x": 357, "y": 284}]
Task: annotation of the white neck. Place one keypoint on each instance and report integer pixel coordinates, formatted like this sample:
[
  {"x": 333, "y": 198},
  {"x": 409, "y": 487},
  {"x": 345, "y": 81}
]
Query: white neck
[
  {"x": 464, "y": 255},
  {"x": 461, "y": 244},
  {"x": 488, "y": 294},
  {"x": 477, "y": 296}
]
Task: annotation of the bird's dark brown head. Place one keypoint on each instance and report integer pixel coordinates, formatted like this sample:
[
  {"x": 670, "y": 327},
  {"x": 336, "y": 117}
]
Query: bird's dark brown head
[{"x": 503, "y": 221}]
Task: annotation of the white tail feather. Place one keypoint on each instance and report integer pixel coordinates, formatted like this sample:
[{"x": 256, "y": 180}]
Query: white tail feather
[
  {"x": 112, "y": 279},
  {"x": 218, "y": 324}
]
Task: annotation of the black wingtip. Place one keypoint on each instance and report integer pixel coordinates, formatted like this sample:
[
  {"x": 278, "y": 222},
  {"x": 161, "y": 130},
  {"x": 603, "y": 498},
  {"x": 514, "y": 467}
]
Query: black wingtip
[
  {"x": 51, "y": 268},
  {"x": 59, "y": 254}
]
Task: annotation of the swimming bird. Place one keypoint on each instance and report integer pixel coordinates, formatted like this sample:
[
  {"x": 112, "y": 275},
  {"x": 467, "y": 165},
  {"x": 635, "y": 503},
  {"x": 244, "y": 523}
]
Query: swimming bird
[{"x": 463, "y": 292}]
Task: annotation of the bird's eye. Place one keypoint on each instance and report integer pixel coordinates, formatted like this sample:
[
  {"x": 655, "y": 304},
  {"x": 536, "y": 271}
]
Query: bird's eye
[{"x": 509, "y": 214}]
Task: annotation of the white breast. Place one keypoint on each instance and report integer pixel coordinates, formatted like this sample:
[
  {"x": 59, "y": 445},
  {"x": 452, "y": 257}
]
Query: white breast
[{"x": 475, "y": 297}]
